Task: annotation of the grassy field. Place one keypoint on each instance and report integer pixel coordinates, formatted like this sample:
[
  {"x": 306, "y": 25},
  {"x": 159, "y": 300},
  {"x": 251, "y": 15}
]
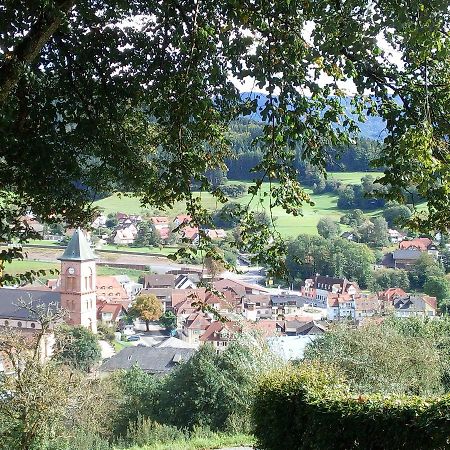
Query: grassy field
[
  {"x": 325, "y": 205},
  {"x": 23, "y": 266},
  {"x": 164, "y": 251}
]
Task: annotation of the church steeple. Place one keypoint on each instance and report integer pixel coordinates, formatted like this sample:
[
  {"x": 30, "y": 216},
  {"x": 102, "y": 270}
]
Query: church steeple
[
  {"x": 78, "y": 282},
  {"x": 78, "y": 248}
]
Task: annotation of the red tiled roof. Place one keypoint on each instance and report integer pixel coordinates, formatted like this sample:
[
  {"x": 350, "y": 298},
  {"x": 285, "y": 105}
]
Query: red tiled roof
[
  {"x": 112, "y": 308},
  {"x": 191, "y": 295},
  {"x": 197, "y": 321},
  {"x": 212, "y": 333},
  {"x": 421, "y": 244},
  {"x": 110, "y": 290}
]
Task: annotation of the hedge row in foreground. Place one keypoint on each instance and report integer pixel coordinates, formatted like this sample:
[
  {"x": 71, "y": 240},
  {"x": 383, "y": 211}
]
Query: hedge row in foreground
[{"x": 310, "y": 407}]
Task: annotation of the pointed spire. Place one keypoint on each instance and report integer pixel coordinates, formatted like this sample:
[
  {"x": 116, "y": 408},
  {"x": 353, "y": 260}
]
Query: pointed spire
[{"x": 78, "y": 248}]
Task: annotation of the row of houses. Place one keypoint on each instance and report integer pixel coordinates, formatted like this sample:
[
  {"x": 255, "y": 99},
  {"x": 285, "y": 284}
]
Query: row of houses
[{"x": 128, "y": 227}]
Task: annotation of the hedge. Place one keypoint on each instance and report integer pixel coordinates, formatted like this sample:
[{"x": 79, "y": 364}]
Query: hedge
[{"x": 310, "y": 407}]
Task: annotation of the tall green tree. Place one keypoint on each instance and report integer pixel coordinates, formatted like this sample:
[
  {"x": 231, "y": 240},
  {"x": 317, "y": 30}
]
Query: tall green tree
[
  {"x": 327, "y": 227},
  {"x": 77, "y": 347},
  {"x": 425, "y": 267},
  {"x": 438, "y": 287}
]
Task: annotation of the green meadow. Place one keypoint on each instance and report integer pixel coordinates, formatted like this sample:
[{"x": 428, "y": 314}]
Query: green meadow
[
  {"x": 288, "y": 225},
  {"x": 21, "y": 266}
]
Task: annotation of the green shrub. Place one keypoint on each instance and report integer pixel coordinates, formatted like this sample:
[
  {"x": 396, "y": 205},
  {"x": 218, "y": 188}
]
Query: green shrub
[
  {"x": 145, "y": 431},
  {"x": 311, "y": 407}
]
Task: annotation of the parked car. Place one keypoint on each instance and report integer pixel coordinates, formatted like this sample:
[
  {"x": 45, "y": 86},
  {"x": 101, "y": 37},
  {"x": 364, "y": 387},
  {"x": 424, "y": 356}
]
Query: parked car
[{"x": 134, "y": 338}]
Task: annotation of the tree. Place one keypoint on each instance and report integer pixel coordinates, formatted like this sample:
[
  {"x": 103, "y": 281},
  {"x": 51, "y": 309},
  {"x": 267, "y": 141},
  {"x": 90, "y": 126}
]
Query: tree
[
  {"x": 426, "y": 266},
  {"x": 308, "y": 255},
  {"x": 146, "y": 307},
  {"x": 353, "y": 218},
  {"x": 387, "y": 278},
  {"x": 44, "y": 403},
  {"x": 438, "y": 287},
  {"x": 327, "y": 227},
  {"x": 168, "y": 320},
  {"x": 145, "y": 235},
  {"x": 397, "y": 356},
  {"x": 380, "y": 236},
  {"x": 77, "y": 347},
  {"x": 396, "y": 215},
  {"x": 108, "y": 104}
]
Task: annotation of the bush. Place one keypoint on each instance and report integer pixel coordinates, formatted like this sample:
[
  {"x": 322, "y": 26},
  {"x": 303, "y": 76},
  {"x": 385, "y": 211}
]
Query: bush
[
  {"x": 311, "y": 408},
  {"x": 234, "y": 190}
]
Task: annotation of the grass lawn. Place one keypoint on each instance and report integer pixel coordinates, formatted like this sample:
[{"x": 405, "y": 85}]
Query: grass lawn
[
  {"x": 118, "y": 346},
  {"x": 18, "y": 266},
  {"x": 110, "y": 270},
  {"x": 213, "y": 441},
  {"x": 164, "y": 251},
  {"x": 288, "y": 225}
]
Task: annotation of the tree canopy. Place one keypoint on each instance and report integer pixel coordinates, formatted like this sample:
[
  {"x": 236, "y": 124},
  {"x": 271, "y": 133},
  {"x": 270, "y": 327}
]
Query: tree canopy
[{"x": 133, "y": 95}]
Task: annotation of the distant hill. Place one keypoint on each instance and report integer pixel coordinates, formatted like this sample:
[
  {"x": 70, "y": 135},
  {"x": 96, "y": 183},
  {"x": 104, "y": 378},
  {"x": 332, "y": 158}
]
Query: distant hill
[{"x": 373, "y": 128}]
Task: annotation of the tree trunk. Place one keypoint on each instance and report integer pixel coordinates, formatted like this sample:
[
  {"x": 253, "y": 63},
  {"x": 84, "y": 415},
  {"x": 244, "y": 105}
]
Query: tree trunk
[
  {"x": 30, "y": 46},
  {"x": 147, "y": 323}
]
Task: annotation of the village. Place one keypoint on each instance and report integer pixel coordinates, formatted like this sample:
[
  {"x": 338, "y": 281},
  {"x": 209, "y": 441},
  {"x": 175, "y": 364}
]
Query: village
[{"x": 201, "y": 308}]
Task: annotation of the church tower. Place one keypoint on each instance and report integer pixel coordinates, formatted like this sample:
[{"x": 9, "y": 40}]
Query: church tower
[{"x": 78, "y": 283}]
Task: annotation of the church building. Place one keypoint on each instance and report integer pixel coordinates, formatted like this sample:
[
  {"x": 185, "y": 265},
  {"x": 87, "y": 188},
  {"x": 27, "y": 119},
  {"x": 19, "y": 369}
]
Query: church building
[{"x": 76, "y": 293}]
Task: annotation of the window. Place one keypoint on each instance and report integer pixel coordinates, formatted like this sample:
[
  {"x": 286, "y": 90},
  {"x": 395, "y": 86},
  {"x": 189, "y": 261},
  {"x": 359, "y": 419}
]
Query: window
[
  {"x": 33, "y": 325},
  {"x": 19, "y": 324},
  {"x": 6, "y": 323}
]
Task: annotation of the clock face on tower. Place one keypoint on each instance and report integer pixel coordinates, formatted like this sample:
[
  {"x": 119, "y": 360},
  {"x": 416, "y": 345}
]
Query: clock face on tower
[{"x": 71, "y": 270}]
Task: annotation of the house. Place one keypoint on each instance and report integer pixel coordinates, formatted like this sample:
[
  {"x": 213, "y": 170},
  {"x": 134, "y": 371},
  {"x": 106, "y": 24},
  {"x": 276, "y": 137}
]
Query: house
[
  {"x": 174, "y": 342},
  {"x": 160, "y": 222},
  {"x": 191, "y": 233},
  {"x": 109, "y": 290},
  {"x": 349, "y": 235},
  {"x": 124, "y": 235},
  {"x": 131, "y": 288},
  {"x": 159, "y": 281},
  {"x": 180, "y": 296},
  {"x": 185, "y": 282},
  {"x": 182, "y": 219},
  {"x": 99, "y": 221},
  {"x": 256, "y": 306},
  {"x": 194, "y": 326},
  {"x": 219, "y": 334},
  {"x": 223, "y": 301},
  {"x": 396, "y": 236},
  {"x": 110, "y": 314},
  {"x": 368, "y": 306},
  {"x": 287, "y": 304},
  {"x": 152, "y": 360},
  {"x": 311, "y": 328},
  {"x": 291, "y": 326},
  {"x": 216, "y": 234},
  {"x": 422, "y": 244},
  {"x": 238, "y": 288},
  {"x": 341, "y": 306},
  {"x": 319, "y": 288},
  {"x": 265, "y": 327},
  {"x": 405, "y": 258},
  {"x": 390, "y": 294},
  {"x": 415, "y": 306},
  {"x": 30, "y": 221}
]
